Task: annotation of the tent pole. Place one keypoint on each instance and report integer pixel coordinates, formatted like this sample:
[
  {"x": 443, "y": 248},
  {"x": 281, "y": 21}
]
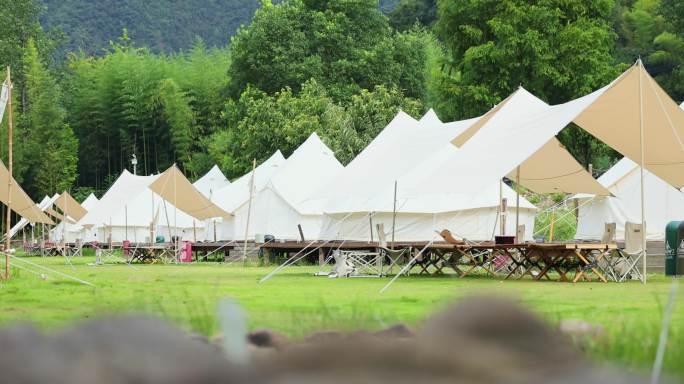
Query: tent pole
[
  {"x": 370, "y": 220},
  {"x": 152, "y": 220},
  {"x": 64, "y": 222},
  {"x": 641, "y": 171},
  {"x": 126, "y": 221},
  {"x": 517, "y": 203},
  {"x": 502, "y": 222},
  {"x": 9, "y": 168},
  {"x": 249, "y": 211},
  {"x": 394, "y": 212}
]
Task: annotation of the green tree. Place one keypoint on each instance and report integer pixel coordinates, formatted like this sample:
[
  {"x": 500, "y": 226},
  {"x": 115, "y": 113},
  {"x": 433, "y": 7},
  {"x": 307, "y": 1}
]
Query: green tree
[
  {"x": 180, "y": 119},
  {"x": 346, "y": 45},
  {"x": 50, "y": 141},
  {"x": 556, "y": 49},
  {"x": 163, "y": 108},
  {"x": 411, "y": 12},
  {"x": 259, "y": 124}
]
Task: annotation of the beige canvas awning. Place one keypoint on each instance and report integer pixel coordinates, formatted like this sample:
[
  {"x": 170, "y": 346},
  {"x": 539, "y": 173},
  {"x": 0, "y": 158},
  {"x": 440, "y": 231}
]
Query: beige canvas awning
[
  {"x": 173, "y": 187},
  {"x": 21, "y": 203},
  {"x": 615, "y": 118},
  {"x": 545, "y": 166},
  {"x": 70, "y": 207},
  {"x": 552, "y": 169},
  {"x": 58, "y": 215}
]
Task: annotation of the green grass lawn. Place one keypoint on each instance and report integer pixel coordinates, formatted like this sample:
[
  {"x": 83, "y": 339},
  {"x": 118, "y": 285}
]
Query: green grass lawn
[{"x": 295, "y": 302}]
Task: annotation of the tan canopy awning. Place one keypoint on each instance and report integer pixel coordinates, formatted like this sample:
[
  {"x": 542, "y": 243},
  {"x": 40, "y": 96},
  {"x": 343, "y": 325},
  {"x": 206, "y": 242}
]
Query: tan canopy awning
[
  {"x": 70, "y": 207},
  {"x": 615, "y": 118},
  {"x": 173, "y": 187},
  {"x": 21, "y": 203},
  {"x": 57, "y": 215},
  {"x": 552, "y": 169},
  {"x": 545, "y": 167}
]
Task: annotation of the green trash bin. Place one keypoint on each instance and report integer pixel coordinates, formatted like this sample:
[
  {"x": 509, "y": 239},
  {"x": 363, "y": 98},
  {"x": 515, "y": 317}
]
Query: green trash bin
[{"x": 674, "y": 234}]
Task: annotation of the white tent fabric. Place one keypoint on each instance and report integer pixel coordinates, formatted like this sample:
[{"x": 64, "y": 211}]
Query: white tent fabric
[
  {"x": 129, "y": 210},
  {"x": 211, "y": 181},
  {"x": 287, "y": 199},
  {"x": 363, "y": 193},
  {"x": 663, "y": 204},
  {"x": 514, "y": 134},
  {"x": 4, "y": 97},
  {"x": 233, "y": 196},
  {"x": 44, "y": 204}
]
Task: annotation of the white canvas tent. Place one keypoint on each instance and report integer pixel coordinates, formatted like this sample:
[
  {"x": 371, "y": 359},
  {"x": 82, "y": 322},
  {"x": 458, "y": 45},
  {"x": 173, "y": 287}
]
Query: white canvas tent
[
  {"x": 363, "y": 194},
  {"x": 664, "y": 203},
  {"x": 633, "y": 115},
  {"x": 286, "y": 199},
  {"x": 131, "y": 210},
  {"x": 235, "y": 195},
  {"x": 212, "y": 181}
]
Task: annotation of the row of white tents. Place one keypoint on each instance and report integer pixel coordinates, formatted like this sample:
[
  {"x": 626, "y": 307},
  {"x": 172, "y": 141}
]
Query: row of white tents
[{"x": 418, "y": 177}]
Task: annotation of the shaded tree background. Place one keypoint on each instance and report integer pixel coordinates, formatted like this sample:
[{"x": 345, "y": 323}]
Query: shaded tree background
[{"x": 183, "y": 82}]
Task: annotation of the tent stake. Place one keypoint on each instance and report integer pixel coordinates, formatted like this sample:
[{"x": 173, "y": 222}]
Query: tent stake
[
  {"x": 641, "y": 171},
  {"x": 9, "y": 168},
  {"x": 249, "y": 211}
]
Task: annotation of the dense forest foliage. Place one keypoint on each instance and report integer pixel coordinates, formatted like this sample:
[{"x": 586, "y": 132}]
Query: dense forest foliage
[
  {"x": 172, "y": 82},
  {"x": 161, "y": 25}
]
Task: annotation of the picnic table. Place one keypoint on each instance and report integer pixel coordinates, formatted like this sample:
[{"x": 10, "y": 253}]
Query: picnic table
[
  {"x": 551, "y": 261},
  {"x": 152, "y": 253}
]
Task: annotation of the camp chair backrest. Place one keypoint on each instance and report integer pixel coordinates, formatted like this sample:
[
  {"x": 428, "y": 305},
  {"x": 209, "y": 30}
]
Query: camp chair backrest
[
  {"x": 609, "y": 233},
  {"x": 633, "y": 238},
  {"x": 382, "y": 239},
  {"x": 520, "y": 235}
]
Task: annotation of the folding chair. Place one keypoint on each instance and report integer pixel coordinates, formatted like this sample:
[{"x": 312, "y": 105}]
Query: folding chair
[
  {"x": 626, "y": 267},
  {"x": 608, "y": 260},
  {"x": 394, "y": 257}
]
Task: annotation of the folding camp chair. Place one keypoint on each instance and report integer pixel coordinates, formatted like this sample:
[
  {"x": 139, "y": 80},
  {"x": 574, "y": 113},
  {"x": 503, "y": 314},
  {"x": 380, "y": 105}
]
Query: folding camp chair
[
  {"x": 626, "y": 267},
  {"x": 394, "y": 257},
  {"x": 608, "y": 260}
]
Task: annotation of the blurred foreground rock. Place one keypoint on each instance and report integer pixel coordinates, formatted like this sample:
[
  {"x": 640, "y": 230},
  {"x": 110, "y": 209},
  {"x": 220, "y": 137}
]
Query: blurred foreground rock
[{"x": 481, "y": 340}]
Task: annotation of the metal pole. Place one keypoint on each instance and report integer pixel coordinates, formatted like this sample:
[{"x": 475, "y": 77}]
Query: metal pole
[
  {"x": 517, "y": 203},
  {"x": 249, "y": 211},
  {"x": 394, "y": 212},
  {"x": 9, "y": 168},
  {"x": 641, "y": 170}
]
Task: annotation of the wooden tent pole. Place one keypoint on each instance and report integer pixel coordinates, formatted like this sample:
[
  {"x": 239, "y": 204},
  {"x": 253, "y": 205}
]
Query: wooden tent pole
[
  {"x": 641, "y": 171},
  {"x": 9, "y": 168},
  {"x": 517, "y": 203},
  {"x": 64, "y": 223},
  {"x": 394, "y": 212},
  {"x": 126, "y": 221},
  {"x": 502, "y": 209},
  {"x": 249, "y": 211}
]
